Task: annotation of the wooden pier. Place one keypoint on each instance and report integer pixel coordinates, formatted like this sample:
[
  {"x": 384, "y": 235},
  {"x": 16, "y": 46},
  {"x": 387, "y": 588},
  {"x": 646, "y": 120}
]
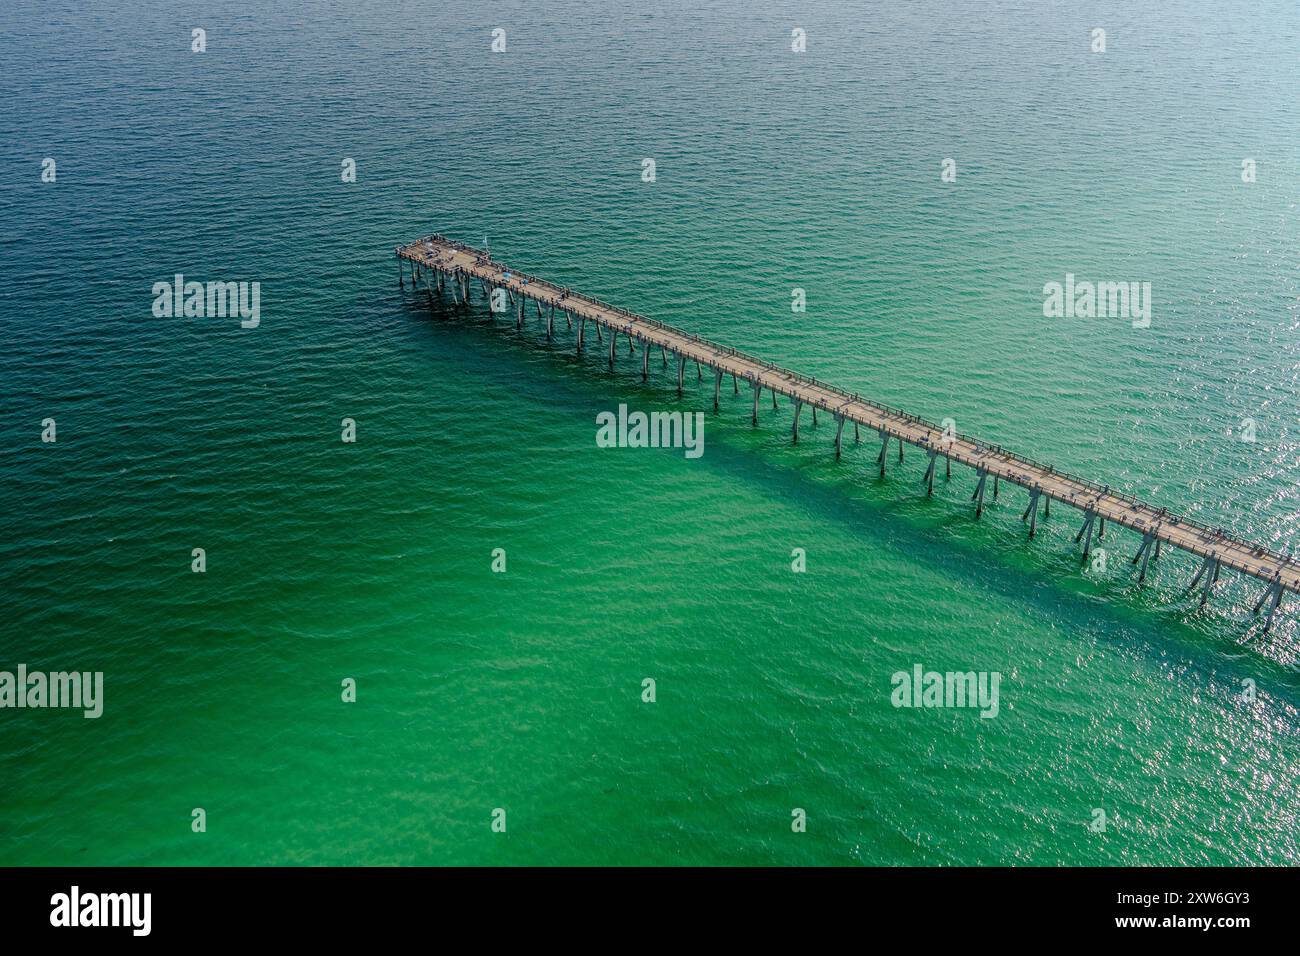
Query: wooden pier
[{"x": 443, "y": 264}]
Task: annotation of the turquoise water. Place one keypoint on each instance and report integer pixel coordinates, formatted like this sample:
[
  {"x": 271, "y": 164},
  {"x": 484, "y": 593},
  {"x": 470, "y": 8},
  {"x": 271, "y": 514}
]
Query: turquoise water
[{"x": 522, "y": 690}]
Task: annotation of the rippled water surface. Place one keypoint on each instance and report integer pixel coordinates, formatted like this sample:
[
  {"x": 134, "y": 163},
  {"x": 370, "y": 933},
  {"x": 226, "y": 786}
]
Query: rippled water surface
[{"x": 522, "y": 690}]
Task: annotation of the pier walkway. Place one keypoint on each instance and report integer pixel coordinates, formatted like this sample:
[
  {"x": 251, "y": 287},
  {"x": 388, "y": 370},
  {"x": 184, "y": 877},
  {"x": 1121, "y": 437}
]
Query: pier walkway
[{"x": 439, "y": 260}]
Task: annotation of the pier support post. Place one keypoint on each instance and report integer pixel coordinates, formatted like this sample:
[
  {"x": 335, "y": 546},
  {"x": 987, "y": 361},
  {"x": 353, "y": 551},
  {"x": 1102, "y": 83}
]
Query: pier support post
[
  {"x": 681, "y": 372},
  {"x": 1268, "y": 592},
  {"x": 613, "y": 343},
  {"x": 856, "y": 436},
  {"x": 401, "y": 274},
  {"x": 1101, "y": 527},
  {"x": 1144, "y": 553},
  {"x": 735, "y": 384},
  {"x": 1088, "y": 522},
  {"x": 900, "y": 450},
  {"x": 758, "y": 390},
  {"x": 1277, "y": 599},
  {"x": 550, "y": 324},
  {"x": 1211, "y": 579},
  {"x": 995, "y": 487},
  {"x": 1210, "y": 571},
  {"x": 947, "y": 467},
  {"x": 582, "y": 330},
  {"x": 1142, "y": 572},
  {"x": 814, "y": 416},
  {"x": 645, "y": 362},
  {"x": 884, "y": 451},
  {"x": 839, "y": 435},
  {"x": 1205, "y": 565},
  {"x": 454, "y": 297},
  {"x": 1031, "y": 512},
  {"x": 1274, "y": 596},
  {"x": 717, "y": 386},
  {"x": 519, "y": 318},
  {"x": 663, "y": 351},
  {"x": 794, "y": 426},
  {"x": 978, "y": 496},
  {"x": 929, "y": 472}
]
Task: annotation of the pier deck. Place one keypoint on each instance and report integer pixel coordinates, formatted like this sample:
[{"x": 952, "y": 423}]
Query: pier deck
[{"x": 437, "y": 255}]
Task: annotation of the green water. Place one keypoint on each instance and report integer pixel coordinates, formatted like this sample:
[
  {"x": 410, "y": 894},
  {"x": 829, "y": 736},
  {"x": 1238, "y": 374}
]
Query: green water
[{"x": 522, "y": 690}]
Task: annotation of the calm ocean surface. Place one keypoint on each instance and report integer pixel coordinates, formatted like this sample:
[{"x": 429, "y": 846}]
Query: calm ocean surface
[{"x": 522, "y": 690}]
